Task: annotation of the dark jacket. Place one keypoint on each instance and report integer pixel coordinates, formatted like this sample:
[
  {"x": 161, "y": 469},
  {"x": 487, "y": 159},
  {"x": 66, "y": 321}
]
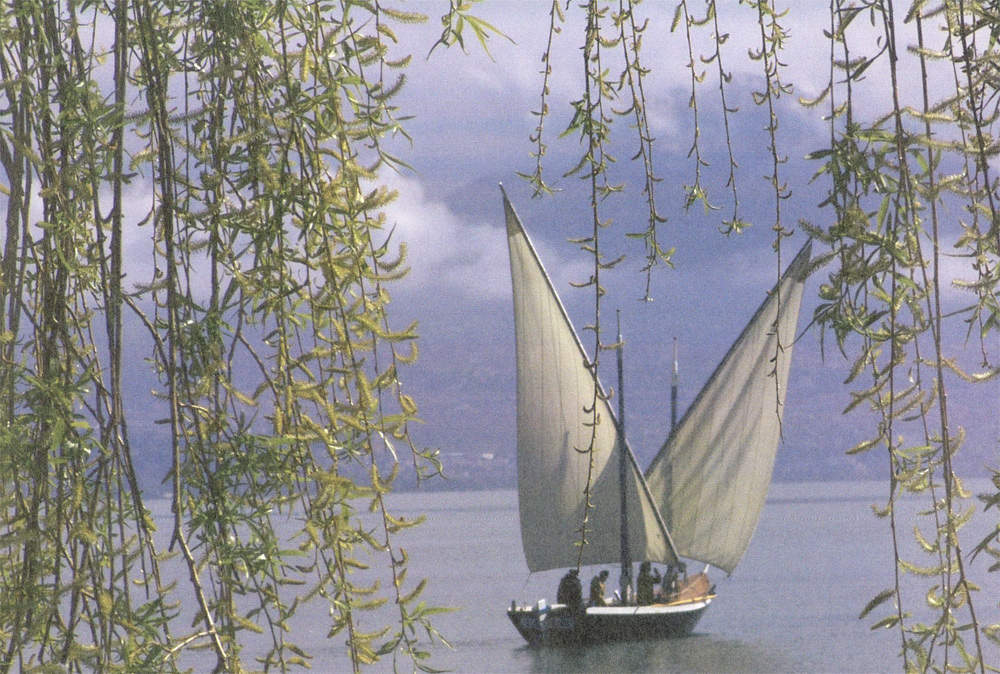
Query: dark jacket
[{"x": 570, "y": 591}]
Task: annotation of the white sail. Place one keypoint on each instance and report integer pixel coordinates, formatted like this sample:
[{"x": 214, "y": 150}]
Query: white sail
[
  {"x": 554, "y": 387},
  {"x": 712, "y": 474}
]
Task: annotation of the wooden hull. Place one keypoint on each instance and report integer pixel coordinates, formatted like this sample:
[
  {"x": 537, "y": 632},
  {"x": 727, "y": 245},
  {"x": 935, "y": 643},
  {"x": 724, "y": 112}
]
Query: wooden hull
[{"x": 558, "y": 625}]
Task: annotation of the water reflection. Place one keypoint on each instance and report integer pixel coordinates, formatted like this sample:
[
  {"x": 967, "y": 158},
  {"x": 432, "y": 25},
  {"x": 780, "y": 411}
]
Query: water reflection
[{"x": 697, "y": 653}]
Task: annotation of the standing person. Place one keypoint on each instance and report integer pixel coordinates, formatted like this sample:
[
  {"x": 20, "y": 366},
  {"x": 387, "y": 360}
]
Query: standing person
[
  {"x": 597, "y": 589},
  {"x": 669, "y": 588},
  {"x": 570, "y": 590},
  {"x": 645, "y": 584}
]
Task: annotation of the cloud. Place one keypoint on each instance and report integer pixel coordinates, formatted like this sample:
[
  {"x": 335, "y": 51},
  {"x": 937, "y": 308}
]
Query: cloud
[
  {"x": 445, "y": 253},
  {"x": 450, "y": 255}
]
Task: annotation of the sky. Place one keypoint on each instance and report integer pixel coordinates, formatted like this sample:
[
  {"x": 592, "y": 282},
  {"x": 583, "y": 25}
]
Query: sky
[{"x": 473, "y": 121}]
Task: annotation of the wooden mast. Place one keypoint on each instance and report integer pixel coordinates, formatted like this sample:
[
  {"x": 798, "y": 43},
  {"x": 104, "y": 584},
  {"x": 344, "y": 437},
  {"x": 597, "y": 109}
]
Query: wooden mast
[{"x": 626, "y": 553}]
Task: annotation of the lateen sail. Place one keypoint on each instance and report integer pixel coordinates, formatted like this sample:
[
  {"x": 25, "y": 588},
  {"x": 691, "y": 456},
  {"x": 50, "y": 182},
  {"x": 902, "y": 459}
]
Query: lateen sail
[
  {"x": 712, "y": 475},
  {"x": 554, "y": 387}
]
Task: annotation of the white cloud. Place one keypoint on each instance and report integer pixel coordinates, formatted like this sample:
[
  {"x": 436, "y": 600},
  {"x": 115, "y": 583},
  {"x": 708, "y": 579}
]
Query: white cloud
[
  {"x": 450, "y": 255},
  {"x": 443, "y": 251}
]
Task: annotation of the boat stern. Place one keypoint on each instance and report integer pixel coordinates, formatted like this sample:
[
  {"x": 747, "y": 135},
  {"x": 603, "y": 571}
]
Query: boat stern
[{"x": 542, "y": 624}]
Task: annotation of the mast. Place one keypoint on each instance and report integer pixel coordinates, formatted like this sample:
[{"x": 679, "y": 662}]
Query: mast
[
  {"x": 673, "y": 391},
  {"x": 668, "y": 476},
  {"x": 626, "y": 558}
]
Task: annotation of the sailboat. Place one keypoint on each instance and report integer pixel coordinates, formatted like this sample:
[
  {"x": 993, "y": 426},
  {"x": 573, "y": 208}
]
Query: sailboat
[{"x": 700, "y": 498}]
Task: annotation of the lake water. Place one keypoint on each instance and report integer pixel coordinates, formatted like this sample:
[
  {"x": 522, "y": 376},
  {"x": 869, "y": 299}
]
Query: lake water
[{"x": 818, "y": 556}]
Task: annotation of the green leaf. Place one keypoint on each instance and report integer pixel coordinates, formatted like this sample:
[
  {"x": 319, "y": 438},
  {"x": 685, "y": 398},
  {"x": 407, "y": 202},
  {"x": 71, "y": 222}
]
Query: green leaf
[{"x": 879, "y": 599}]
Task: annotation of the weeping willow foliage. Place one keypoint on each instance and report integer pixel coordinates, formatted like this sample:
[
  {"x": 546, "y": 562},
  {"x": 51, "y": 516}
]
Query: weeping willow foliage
[
  {"x": 241, "y": 140},
  {"x": 237, "y": 142},
  {"x": 906, "y": 185},
  {"x": 911, "y": 178}
]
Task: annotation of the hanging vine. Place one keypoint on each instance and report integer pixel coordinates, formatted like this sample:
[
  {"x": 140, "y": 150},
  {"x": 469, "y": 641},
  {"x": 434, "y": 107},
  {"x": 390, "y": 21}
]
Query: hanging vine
[
  {"x": 891, "y": 178},
  {"x": 243, "y": 142}
]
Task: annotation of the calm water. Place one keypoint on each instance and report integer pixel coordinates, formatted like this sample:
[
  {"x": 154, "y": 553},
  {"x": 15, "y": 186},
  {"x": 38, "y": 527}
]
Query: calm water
[{"x": 818, "y": 556}]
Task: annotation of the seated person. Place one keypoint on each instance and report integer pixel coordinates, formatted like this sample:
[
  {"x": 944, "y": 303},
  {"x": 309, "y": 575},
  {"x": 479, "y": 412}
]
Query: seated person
[{"x": 597, "y": 589}]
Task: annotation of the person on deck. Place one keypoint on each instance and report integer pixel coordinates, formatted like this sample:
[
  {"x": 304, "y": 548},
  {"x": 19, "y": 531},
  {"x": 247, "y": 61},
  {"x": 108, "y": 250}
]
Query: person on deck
[
  {"x": 645, "y": 584},
  {"x": 669, "y": 587},
  {"x": 597, "y": 589},
  {"x": 570, "y": 590}
]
